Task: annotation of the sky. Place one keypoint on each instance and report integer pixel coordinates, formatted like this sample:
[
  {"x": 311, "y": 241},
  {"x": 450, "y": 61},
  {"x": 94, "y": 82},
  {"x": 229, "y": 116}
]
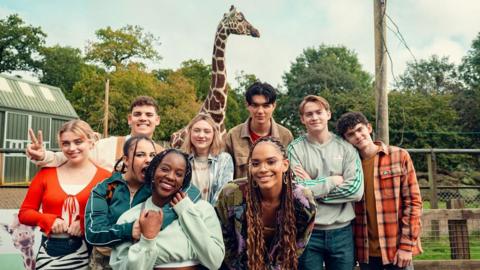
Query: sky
[{"x": 186, "y": 29}]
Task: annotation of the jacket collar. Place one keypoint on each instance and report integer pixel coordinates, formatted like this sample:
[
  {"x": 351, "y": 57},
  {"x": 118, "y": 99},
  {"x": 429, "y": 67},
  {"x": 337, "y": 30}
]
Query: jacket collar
[
  {"x": 383, "y": 147},
  {"x": 210, "y": 157},
  {"x": 245, "y": 131}
]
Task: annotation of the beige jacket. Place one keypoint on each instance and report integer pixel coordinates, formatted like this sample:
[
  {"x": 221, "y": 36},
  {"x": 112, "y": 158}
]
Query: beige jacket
[{"x": 238, "y": 144}]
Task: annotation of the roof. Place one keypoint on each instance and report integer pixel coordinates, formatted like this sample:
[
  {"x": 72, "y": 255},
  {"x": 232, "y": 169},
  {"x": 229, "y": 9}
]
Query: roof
[{"x": 19, "y": 94}]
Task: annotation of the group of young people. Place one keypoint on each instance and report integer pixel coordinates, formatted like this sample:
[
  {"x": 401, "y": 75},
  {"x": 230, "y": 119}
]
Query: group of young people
[{"x": 255, "y": 200}]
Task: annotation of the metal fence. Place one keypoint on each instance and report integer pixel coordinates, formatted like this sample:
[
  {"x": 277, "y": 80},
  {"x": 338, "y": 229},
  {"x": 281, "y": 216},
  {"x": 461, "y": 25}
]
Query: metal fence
[{"x": 436, "y": 196}]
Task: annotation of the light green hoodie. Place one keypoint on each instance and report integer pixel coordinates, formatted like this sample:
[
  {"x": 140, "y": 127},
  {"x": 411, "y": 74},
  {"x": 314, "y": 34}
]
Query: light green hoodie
[{"x": 194, "y": 238}]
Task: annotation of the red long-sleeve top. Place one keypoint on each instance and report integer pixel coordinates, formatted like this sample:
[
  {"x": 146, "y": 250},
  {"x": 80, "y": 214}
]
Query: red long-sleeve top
[{"x": 45, "y": 191}]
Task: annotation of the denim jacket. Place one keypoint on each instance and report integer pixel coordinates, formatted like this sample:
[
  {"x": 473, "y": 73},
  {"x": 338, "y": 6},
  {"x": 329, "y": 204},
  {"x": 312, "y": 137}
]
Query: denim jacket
[{"x": 220, "y": 169}]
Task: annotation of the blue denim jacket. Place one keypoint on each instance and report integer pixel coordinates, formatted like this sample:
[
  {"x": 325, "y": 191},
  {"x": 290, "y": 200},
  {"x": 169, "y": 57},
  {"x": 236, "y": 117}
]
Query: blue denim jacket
[{"x": 220, "y": 170}]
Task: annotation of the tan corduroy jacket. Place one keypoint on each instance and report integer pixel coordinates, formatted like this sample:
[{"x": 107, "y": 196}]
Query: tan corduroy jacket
[{"x": 238, "y": 144}]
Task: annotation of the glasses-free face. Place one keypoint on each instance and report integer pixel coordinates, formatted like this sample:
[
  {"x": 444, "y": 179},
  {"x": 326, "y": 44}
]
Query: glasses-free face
[
  {"x": 143, "y": 120},
  {"x": 359, "y": 136},
  {"x": 169, "y": 175},
  {"x": 201, "y": 136},
  {"x": 267, "y": 166},
  {"x": 138, "y": 160},
  {"x": 315, "y": 117},
  {"x": 260, "y": 111},
  {"x": 76, "y": 148}
]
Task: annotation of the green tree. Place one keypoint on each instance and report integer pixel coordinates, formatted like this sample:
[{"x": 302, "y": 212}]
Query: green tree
[
  {"x": 427, "y": 121},
  {"x": 470, "y": 67},
  {"x": 125, "y": 84},
  {"x": 200, "y": 74},
  {"x": 61, "y": 67},
  {"x": 116, "y": 48},
  {"x": 177, "y": 102},
  {"x": 19, "y": 44},
  {"x": 467, "y": 102},
  {"x": 329, "y": 71},
  {"x": 435, "y": 75}
]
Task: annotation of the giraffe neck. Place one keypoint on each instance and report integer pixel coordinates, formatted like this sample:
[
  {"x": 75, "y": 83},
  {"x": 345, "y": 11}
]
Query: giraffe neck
[
  {"x": 216, "y": 100},
  {"x": 28, "y": 259}
]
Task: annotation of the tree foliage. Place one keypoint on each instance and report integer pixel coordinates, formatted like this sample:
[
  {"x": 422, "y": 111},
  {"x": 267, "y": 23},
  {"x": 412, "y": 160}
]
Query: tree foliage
[
  {"x": 333, "y": 72},
  {"x": 178, "y": 105},
  {"x": 125, "y": 84},
  {"x": 61, "y": 67},
  {"x": 117, "y": 48},
  {"x": 432, "y": 76},
  {"x": 19, "y": 44},
  {"x": 470, "y": 67}
]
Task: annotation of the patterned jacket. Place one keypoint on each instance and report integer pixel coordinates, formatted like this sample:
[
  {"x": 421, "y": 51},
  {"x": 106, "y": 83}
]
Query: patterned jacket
[
  {"x": 220, "y": 170},
  {"x": 398, "y": 214},
  {"x": 231, "y": 210}
]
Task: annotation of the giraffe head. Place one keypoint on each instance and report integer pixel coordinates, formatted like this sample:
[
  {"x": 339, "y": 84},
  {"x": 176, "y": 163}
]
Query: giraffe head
[
  {"x": 22, "y": 235},
  {"x": 234, "y": 22}
]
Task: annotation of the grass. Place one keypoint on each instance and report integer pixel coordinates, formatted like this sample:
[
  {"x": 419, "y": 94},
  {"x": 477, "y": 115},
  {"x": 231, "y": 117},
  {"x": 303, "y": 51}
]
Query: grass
[{"x": 440, "y": 250}]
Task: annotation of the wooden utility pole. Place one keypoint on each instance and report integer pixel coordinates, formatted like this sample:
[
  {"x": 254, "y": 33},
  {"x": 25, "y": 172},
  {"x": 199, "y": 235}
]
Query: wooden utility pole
[
  {"x": 105, "y": 113},
  {"x": 381, "y": 93}
]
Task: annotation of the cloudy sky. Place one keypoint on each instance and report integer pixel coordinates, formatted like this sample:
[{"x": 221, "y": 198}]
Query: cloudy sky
[{"x": 186, "y": 28}]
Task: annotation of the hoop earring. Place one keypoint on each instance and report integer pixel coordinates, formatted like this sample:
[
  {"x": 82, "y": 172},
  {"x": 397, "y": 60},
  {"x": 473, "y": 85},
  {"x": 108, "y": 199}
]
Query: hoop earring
[
  {"x": 254, "y": 184},
  {"x": 285, "y": 181}
]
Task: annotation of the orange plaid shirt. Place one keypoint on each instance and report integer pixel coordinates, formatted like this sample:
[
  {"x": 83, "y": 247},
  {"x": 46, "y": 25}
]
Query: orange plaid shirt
[{"x": 399, "y": 206}]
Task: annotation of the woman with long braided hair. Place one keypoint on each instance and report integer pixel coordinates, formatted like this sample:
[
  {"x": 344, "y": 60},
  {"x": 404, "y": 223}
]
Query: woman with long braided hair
[{"x": 266, "y": 221}]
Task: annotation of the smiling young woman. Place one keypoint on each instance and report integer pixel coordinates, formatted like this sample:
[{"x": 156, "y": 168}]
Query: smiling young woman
[
  {"x": 62, "y": 194},
  {"x": 193, "y": 238},
  {"x": 211, "y": 166},
  {"x": 272, "y": 215},
  {"x": 115, "y": 195}
]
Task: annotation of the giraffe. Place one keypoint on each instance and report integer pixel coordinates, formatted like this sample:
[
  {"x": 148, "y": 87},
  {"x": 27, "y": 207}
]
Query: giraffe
[
  {"x": 215, "y": 104},
  {"x": 23, "y": 239}
]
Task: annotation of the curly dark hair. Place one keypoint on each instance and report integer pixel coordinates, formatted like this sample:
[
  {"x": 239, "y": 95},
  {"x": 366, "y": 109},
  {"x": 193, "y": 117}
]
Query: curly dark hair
[
  {"x": 256, "y": 250},
  {"x": 152, "y": 167},
  {"x": 348, "y": 121}
]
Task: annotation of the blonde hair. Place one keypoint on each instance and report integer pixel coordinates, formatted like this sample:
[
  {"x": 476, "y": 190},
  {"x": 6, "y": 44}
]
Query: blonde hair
[
  {"x": 315, "y": 99},
  {"x": 79, "y": 128},
  {"x": 217, "y": 144}
]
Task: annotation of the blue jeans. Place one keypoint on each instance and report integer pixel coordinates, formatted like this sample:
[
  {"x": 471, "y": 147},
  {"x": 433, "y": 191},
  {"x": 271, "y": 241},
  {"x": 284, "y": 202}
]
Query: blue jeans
[
  {"x": 332, "y": 247},
  {"x": 375, "y": 263}
]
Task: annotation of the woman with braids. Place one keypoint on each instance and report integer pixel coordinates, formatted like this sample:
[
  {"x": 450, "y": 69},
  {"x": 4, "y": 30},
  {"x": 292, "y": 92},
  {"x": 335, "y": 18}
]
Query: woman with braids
[
  {"x": 266, "y": 221},
  {"x": 115, "y": 195},
  {"x": 193, "y": 238}
]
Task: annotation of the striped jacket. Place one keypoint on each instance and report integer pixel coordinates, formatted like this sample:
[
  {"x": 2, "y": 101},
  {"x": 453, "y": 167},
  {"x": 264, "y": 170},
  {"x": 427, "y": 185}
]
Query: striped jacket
[{"x": 399, "y": 206}]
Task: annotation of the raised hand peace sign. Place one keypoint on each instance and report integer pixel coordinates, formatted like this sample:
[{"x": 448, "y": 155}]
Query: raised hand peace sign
[{"x": 35, "y": 149}]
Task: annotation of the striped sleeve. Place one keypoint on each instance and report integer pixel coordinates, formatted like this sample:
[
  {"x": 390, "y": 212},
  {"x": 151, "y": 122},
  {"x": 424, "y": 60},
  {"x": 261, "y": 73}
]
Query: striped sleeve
[
  {"x": 320, "y": 186},
  {"x": 352, "y": 187}
]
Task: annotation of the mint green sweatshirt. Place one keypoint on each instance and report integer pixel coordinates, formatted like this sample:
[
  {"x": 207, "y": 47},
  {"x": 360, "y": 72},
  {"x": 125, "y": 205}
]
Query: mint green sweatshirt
[
  {"x": 334, "y": 157},
  {"x": 194, "y": 238}
]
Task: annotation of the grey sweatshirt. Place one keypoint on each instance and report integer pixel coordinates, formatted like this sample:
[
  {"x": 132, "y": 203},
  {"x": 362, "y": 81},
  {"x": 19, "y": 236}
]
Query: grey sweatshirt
[{"x": 334, "y": 157}]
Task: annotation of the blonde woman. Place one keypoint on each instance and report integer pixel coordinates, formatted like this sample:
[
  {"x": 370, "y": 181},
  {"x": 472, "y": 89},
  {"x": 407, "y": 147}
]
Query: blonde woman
[
  {"x": 62, "y": 193},
  {"x": 211, "y": 166}
]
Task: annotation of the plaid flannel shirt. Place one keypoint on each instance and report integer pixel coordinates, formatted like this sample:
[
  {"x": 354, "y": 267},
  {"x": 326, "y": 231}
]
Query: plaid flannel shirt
[{"x": 399, "y": 206}]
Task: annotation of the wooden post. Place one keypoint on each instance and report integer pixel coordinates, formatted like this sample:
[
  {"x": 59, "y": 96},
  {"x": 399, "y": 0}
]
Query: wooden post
[
  {"x": 381, "y": 93},
  {"x": 458, "y": 234},
  {"x": 432, "y": 179},
  {"x": 105, "y": 113}
]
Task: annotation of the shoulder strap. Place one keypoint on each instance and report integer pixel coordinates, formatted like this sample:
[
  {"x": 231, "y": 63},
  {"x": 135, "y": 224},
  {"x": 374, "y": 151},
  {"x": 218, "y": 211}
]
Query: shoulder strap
[{"x": 119, "y": 148}]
